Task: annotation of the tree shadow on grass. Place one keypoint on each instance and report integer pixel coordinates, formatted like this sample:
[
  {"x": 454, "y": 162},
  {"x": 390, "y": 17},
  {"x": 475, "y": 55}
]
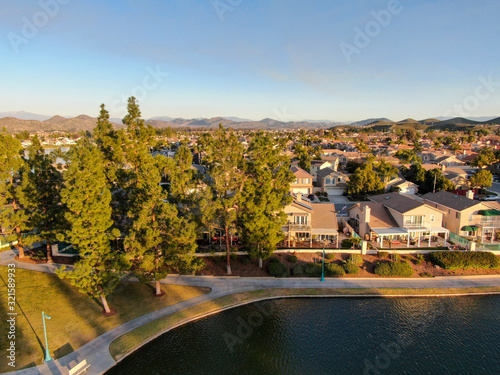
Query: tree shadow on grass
[{"x": 23, "y": 314}]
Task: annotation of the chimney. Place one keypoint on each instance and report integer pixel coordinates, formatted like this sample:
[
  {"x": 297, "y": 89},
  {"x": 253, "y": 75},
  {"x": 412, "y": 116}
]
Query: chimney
[
  {"x": 366, "y": 214},
  {"x": 443, "y": 167},
  {"x": 299, "y": 197},
  {"x": 335, "y": 165},
  {"x": 470, "y": 194}
]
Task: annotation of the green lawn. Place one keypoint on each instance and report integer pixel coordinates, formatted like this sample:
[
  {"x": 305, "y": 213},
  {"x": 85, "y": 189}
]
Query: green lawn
[
  {"x": 127, "y": 342},
  {"x": 76, "y": 317}
]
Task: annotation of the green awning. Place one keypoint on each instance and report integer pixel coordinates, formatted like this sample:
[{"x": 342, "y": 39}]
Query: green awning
[
  {"x": 489, "y": 212},
  {"x": 469, "y": 228}
]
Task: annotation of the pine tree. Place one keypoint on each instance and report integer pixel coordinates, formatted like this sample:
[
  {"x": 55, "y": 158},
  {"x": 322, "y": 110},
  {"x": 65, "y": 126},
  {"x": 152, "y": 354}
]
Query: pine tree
[
  {"x": 88, "y": 199},
  {"x": 158, "y": 237},
  {"x": 264, "y": 197},
  {"x": 42, "y": 185},
  {"x": 225, "y": 162},
  {"x": 14, "y": 218}
]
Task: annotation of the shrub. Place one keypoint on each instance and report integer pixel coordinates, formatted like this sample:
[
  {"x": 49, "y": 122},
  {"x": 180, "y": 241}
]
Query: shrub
[
  {"x": 313, "y": 269},
  {"x": 351, "y": 268},
  {"x": 274, "y": 260},
  {"x": 419, "y": 258},
  {"x": 394, "y": 269},
  {"x": 382, "y": 254},
  {"x": 355, "y": 259},
  {"x": 292, "y": 258},
  {"x": 452, "y": 260},
  {"x": 277, "y": 269},
  {"x": 425, "y": 274},
  {"x": 346, "y": 244},
  {"x": 297, "y": 270},
  {"x": 332, "y": 269},
  {"x": 245, "y": 260},
  {"x": 234, "y": 256},
  {"x": 331, "y": 256},
  {"x": 395, "y": 257}
]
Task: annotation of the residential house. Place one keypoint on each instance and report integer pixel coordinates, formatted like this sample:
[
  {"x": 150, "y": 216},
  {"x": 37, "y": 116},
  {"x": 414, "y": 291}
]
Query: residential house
[
  {"x": 317, "y": 165},
  {"x": 406, "y": 187},
  {"x": 467, "y": 217},
  {"x": 397, "y": 219},
  {"x": 310, "y": 222},
  {"x": 331, "y": 181},
  {"x": 303, "y": 182}
]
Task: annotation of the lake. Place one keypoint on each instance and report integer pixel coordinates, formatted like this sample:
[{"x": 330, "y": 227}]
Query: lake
[{"x": 451, "y": 335}]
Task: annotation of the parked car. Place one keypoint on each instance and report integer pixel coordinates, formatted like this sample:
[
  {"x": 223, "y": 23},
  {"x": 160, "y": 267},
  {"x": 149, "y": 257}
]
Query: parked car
[{"x": 489, "y": 198}]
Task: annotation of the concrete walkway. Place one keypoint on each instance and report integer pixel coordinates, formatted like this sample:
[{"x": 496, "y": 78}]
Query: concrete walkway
[{"x": 96, "y": 352}]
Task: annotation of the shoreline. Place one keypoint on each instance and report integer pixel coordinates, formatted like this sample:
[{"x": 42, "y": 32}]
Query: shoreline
[{"x": 280, "y": 293}]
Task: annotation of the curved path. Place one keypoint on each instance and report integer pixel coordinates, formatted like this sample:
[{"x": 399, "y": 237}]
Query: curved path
[{"x": 96, "y": 352}]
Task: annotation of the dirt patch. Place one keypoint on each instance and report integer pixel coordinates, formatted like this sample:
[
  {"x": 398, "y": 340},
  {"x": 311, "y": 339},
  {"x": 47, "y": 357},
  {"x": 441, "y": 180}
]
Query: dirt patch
[{"x": 249, "y": 268}]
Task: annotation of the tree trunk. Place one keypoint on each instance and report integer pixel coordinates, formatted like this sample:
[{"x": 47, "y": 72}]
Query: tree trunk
[
  {"x": 158, "y": 289},
  {"x": 260, "y": 262},
  {"x": 228, "y": 251},
  {"x": 105, "y": 305},
  {"x": 20, "y": 249},
  {"x": 49, "y": 253}
]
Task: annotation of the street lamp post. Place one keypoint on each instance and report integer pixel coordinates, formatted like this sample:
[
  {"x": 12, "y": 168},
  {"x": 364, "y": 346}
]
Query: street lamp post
[
  {"x": 323, "y": 267},
  {"x": 47, "y": 354}
]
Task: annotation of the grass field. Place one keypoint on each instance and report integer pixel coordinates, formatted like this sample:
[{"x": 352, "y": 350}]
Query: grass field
[
  {"x": 131, "y": 340},
  {"x": 76, "y": 317}
]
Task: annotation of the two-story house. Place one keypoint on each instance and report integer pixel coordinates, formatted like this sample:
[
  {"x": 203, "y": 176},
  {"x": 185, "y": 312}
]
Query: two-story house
[
  {"x": 308, "y": 221},
  {"x": 317, "y": 165},
  {"x": 331, "y": 181},
  {"x": 303, "y": 182},
  {"x": 397, "y": 219},
  {"x": 467, "y": 217}
]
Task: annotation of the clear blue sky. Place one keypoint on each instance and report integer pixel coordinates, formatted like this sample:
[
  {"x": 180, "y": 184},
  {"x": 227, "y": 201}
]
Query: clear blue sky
[{"x": 290, "y": 59}]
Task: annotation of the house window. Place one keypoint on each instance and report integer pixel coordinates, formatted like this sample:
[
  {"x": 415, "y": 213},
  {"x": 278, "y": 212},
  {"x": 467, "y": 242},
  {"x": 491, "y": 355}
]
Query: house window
[
  {"x": 302, "y": 220},
  {"x": 305, "y": 180},
  {"x": 433, "y": 218},
  {"x": 457, "y": 215},
  {"x": 414, "y": 221},
  {"x": 339, "y": 180},
  {"x": 328, "y": 181}
]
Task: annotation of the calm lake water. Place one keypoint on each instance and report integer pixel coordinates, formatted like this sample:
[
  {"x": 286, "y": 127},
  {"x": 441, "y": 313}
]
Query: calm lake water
[{"x": 455, "y": 335}]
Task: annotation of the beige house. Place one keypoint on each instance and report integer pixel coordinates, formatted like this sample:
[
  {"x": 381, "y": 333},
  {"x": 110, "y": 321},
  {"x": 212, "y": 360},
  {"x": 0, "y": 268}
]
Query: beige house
[
  {"x": 397, "y": 219},
  {"x": 331, "y": 181},
  {"x": 303, "y": 182},
  {"x": 467, "y": 217},
  {"x": 308, "y": 221}
]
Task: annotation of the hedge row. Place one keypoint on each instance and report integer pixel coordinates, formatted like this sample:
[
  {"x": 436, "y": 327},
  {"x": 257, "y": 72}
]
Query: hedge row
[
  {"x": 452, "y": 260},
  {"x": 393, "y": 269}
]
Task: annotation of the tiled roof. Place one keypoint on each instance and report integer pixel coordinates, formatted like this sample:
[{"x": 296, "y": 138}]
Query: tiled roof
[{"x": 300, "y": 173}]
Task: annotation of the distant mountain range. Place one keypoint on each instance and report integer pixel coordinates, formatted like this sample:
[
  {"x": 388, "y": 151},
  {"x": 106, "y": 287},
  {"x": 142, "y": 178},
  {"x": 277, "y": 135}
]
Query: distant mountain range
[{"x": 21, "y": 121}]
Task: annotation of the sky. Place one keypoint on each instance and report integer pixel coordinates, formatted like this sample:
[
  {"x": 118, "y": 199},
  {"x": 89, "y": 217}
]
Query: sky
[{"x": 290, "y": 60}]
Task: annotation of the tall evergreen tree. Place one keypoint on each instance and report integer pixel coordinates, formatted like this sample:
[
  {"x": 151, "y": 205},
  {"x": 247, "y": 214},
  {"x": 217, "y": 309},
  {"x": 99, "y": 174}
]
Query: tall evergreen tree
[
  {"x": 264, "y": 197},
  {"x": 88, "y": 199},
  {"x": 14, "y": 218},
  {"x": 226, "y": 177},
  {"x": 42, "y": 185},
  {"x": 158, "y": 237}
]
